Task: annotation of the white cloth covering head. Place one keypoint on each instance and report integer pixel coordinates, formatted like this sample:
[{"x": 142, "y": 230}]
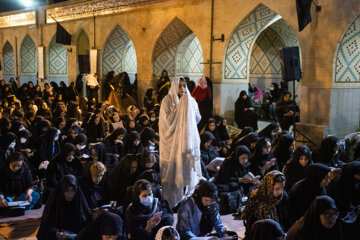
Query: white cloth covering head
[
  {"x": 179, "y": 145},
  {"x": 159, "y": 234},
  {"x": 91, "y": 80}
]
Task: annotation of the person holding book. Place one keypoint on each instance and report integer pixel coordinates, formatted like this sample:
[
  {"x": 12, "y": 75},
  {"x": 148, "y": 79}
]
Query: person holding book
[{"x": 234, "y": 173}]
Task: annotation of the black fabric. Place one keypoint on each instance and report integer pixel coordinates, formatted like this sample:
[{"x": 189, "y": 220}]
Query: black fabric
[
  {"x": 62, "y": 36},
  {"x": 106, "y": 224},
  {"x": 59, "y": 167},
  {"x": 309, "y": 227},
  {"x": 59, "y": 214},
  {"x": 100, "y": 152},
  {"x": 281, "y": 152},
  {"x": 326, "y": 153},
  {"x": 231, "y": 170},
  {"x": 344, "y": 188},
  {"x": 305, "y": 191},
  {"x": 268, "y": 131},
  {"x": 283, "y": 107},
  {"x": 245, "y": 118},
  {"x": 146, "y": 135},
  {"x": 230, "y": 202},
  {"x": 13, "y": 184},
  {"x": 110, "y": 145},
  {"x": 266, "y": 229},
  {"x": 303, "y": 12},
  {"x": 129, "y": 147},
  {"x": 95, "y": 133},
  {"x": 47, "y": 142},
  {"x": 258, "y": 160},
  {"x": 221, "y": 133},
  {"x": 137, "y": 215},
  {"x": 93, "y": 193},
  {"x": 120, "y": 178},
  {"x": 5, "y": 152},
  {"x": 293, "y": 170}
]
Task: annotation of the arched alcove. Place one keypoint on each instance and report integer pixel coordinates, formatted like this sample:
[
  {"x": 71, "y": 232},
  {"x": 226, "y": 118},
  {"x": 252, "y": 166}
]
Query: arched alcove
[
  {"x": 118, "y": 49},
  {"x": 8, "y": 62},
  {"x": 57, "y": 59},
  {"x": 28, "y": 61},
  {"x": 189, "y": 58},
  {"x": 252, "y": 54},
  {"x": 83, "y": 53},
  {"x": 345, "y": 94},
  {"x": 175, "y": 50}
]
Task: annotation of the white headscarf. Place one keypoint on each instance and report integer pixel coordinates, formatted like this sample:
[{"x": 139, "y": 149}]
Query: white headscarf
[
  {"x": 179, "y": 145},
  {"x": 161, "y": 230}
]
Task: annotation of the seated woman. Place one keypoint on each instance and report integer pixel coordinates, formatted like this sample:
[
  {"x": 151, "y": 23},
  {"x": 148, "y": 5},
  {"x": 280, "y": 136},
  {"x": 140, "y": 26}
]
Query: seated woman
[
  {"x": 232, "y": 172},
  {"x": 106, "y": 226},
  {"x": 132, "y": 144},
  {"x": 92, "y": 184},
  {"x": 210, "y": 126},
  {"x": 207, "y": 153},
  {"x": 149, "y": 138},
  {"x": 221, "y": 132},
  {"x": 63, "y": 164},
  {"x": 327, "y": 153},
  {"x": 148, "y": 160},
  {"x": 49, "y": 145},
  {"x": 114, "y": 142},
  {"x": 95, "y": 129},
  {"x": 263, "y": 160},
  {"x": 303, "y": 193},
  {"x": 150, "y": 99},
  {"x": 266, "y": 229},
  {"x": 344, "y": 188},
  {"x": 263, "y": 201},
  {"x": 249, "y": 140},
  {"x": 284, "y": 150},
  {"x": 7, "y": 147},
  {"x": 199, "y": 214},
  {"x": 286, "y": 111},
  {"x": 82, "y": 150},
  {"x": 294, "y": 169},
  {"x": 121, "y": 177},
  {"x": 16, "y": 182},
  {"x": 320, "y": 221},
  {"x": 66, "y": 211},
  {"x": 116, "y": 122},
  {"x": 145, "y": 216},
  {"x": 269, "y": 131},
  {"x": 244, "y": 112}
]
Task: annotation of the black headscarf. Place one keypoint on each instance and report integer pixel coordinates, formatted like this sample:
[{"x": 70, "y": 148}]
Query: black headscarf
[
  {"x": 282, "y": 152},
  {"x": 221, "y": 132},
  {"x": 325, "y": 153},
  {"x": 129, "y": 147},
  {"x": 147, "y": 134},
  {"x": 266, "y": 229},
  {"x": 294, "y": 171},
  {"x": 120, "y": 177},
  {"x": 100, "y": 151},
  {"x": 309, "y": 227},
  {"x": 63, "y": 215},
  {"x": 206, "y": 136},
  {"x": 268, "y": 131},
  {"x": 107, "y": 223}
]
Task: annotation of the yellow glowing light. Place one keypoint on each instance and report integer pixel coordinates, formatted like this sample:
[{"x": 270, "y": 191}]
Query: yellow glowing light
[{"x": 27, "y": 3}]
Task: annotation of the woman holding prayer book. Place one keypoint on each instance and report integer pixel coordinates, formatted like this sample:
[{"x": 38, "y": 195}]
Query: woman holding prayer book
[{"x": 234, "y": 172}]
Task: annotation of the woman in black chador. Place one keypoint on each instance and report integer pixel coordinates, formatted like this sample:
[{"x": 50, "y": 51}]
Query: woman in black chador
[
  {"x": 244, "y": 112},
  {"x": 286, "y": 111},
  {"x": 65, "y": 211}
]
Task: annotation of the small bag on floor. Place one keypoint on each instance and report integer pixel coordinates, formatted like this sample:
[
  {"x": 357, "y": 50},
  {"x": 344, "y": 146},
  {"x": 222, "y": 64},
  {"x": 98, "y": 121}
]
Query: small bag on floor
[{"x": 230, "y": 202}]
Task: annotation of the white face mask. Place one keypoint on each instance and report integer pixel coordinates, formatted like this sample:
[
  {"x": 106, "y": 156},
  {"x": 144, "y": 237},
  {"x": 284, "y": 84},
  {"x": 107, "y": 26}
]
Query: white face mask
[
  {"x": 118, "y": 141},
  {"x": 12, "y": 145},
  {"x": 147, "y": 201},
  {"x": 21, "y": 128},
  {"x": 80, "y": 147},
  {"x": 23, "y": 140}
]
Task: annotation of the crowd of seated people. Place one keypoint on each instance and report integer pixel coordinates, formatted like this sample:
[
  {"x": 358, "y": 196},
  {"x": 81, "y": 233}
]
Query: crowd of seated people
[{"x": 97, "y": 172}]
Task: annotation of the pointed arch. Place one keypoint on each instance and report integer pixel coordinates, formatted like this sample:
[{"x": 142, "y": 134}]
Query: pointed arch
[
  {"x": 347, "y": 60},
  {"x": 164, "y": 54},
  {"x": 83, "y": 43},
  {"x": 130, "y": 61},
  {"x": 57, "y": 56},
  {"x": 28, "y": 60},
  {"x": 115, "y": 50},
  {"x": 8, "y": 61}
]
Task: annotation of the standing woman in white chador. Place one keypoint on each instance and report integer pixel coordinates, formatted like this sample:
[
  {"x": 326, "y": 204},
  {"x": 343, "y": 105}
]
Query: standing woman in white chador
[{"x": 180, "y": 165}]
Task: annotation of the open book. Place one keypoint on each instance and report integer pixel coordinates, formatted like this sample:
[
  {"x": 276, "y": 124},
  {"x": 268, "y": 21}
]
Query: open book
[
  {"x": 216, "y": 162},
  {"x": 18, "y": 203},
  {"x": 249, "y": 176}
]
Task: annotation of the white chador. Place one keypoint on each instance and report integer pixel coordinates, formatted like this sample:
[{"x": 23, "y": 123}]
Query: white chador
[{"x": 180, "y": 165}]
